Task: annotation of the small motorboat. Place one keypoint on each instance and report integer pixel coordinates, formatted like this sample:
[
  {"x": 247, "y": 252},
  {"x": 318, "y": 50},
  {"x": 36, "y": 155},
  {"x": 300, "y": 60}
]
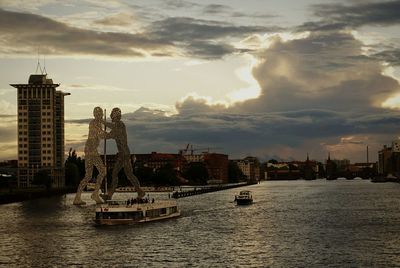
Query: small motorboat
[{"x": 244, "y": 198}]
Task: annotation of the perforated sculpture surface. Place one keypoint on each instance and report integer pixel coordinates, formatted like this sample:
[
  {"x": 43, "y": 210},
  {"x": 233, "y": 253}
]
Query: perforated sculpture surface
[
  {"x": 92, "y": 158},
  {"x": 123, "y": 160}
]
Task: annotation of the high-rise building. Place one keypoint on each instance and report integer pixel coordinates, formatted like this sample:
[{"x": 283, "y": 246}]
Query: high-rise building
[{"x": 40, "y": 130}]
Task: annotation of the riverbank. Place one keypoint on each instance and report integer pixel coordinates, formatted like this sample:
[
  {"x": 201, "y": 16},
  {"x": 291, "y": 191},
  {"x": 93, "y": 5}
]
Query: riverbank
[{"x": 18, "y": 195}]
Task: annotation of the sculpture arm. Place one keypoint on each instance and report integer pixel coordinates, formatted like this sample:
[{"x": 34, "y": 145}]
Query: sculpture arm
[
  {"x": 109, "y": 124},
  {"x": 108, "y": 135},
  {"x": 100, "y": 133}
]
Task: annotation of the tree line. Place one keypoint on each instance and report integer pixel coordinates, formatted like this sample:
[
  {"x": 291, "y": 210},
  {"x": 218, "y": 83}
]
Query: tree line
[{"x": 194, "y": 173}]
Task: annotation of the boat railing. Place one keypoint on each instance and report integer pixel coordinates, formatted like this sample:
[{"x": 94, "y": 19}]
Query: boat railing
[{"x": 148, "y": 205}]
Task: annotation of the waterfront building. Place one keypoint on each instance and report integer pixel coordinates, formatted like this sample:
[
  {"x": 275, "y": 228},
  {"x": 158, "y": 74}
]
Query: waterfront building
[
  {"x": 158, "y": 160},
  {"x": 341, "y": 164},
  {"x": 250, "y": 166},
  {"x": 293, "y": 170},
  {"x": 282, "y": 171},
  {"x": 330, "y": 168},
  {"x": 310, "y": 169},
  {"x": 194, "y": 157},
  {"x": 217, "y": 166},
  {"x": 153, "y": 161},
  {"x": 396, "y": 146},
  {"x": 389, "y": 160},
  {"x": 363, "y": 170},
  {"x": 40, "y": 130}
]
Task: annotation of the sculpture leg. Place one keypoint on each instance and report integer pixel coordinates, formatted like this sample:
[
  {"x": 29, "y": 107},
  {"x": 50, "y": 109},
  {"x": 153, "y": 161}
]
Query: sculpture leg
[
  {"x": 82, "y": 184},
  {"x": 114, "y": 182},
  {"x": 100, "y": 177},
  {"x": 133, "y": 179}
]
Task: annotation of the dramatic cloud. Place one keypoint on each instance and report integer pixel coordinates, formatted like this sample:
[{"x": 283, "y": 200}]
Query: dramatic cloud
[
  {"x": 174, "y": 4},
  {"x": 216, "y": 9},
  {"x": 390, "y": 56},
  {"x": 23, "y": 33},
  {"x": 315, "y": 90},
  {"x": 184, "y": 29},
  {"x": 203, "y": 38},
  {"x": 339, "y": 16},
  {"x": 280, "y": 134},
  {"x": 322, "y": 71},
  {"x": 197, "y": 105},
  {"x": 320, "y": 92},
  {"x": 119, "y": 19}
]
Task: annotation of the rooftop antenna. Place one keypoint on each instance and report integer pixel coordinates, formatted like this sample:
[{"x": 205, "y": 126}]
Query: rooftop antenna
[
  {"x": 38, "y": 67},
  {"x": 44, "y": 65}
]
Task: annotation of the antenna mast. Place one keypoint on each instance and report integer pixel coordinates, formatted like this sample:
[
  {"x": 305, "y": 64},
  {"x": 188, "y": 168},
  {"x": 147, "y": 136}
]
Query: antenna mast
[
  {"x": 44, "y": 65},
  {"x": 38, "y": 67},
  {"x": 105, "y": 152}
]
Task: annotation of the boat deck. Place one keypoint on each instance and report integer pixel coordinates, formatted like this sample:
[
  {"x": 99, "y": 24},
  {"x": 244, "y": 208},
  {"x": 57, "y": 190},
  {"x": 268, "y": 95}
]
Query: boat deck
[{"x": 122, "y": 205}]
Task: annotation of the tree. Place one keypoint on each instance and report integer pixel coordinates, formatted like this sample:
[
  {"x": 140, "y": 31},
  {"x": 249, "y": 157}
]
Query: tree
[
  {"x": 196, "y": 173},
  {"x": 273, "y": 161},
  {"x": 235, "y": 174},
  {"x": 166, "y": 175},
  {"x": 72, "y": 175},
  {"x": 144, "y": 174},
  {"x": 74, "y": 169},
  {"x": 42, "y": 177}
]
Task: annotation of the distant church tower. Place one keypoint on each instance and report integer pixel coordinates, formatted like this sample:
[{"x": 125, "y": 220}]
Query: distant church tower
[
  {"x": 309, "y": 173},
  {"x": 40, "y": 130},
  {"x": 329, "y": 168}
]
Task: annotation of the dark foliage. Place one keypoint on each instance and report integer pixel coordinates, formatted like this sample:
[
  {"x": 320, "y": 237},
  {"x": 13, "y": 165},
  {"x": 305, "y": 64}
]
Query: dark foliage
[
  {"x": 42, "y": 177},
  {"x": 196, "y": 173},
  {"x": 235, "y": 174}
]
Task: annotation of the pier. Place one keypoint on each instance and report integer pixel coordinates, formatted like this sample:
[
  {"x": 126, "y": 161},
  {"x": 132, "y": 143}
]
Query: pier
[{"x": 207, "y": 189}]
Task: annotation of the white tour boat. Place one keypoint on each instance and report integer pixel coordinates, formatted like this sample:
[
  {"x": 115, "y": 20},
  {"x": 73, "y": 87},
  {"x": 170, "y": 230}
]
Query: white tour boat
[
  {"x": 244, "y": 198},
  {"x": 116, "y": 212}
]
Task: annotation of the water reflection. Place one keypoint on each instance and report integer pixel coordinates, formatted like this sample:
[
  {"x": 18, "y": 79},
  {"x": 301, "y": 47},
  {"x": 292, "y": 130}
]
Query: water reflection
[{"x": 297, "y": 223}]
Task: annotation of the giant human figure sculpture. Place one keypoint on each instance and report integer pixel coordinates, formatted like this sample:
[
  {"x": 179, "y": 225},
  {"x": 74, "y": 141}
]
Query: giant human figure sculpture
[
  {"x": 92, "y": 158},
  {"x": 118, "y": 133}
]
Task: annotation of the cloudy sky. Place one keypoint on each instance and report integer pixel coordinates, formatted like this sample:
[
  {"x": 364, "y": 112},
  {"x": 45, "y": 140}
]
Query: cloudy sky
[{"x": 272, "y": 79}]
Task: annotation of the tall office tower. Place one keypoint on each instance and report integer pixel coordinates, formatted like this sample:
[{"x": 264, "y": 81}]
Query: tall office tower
[{"x": 40, "y": 130}]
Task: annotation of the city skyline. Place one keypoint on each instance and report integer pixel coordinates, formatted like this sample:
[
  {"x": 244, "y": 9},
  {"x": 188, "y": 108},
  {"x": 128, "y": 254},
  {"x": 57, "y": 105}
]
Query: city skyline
[{"x": 272, "y": 80}]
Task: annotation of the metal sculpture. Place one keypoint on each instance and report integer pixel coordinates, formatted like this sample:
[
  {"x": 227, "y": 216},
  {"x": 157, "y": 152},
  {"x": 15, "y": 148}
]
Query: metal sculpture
[
  {"x": 123, "y": 159},
  {"x": 92, "y": 158}
]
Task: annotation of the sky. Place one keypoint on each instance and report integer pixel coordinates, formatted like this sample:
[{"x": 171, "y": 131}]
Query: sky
[{"x": 271, "y": 79}]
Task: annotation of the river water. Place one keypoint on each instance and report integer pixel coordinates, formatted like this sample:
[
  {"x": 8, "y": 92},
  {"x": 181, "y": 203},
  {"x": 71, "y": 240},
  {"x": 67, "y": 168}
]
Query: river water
[{"x": 291, "y": 224}]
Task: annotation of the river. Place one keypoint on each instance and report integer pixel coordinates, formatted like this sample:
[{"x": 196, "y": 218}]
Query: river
[{"x": 342, "y": 223}]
